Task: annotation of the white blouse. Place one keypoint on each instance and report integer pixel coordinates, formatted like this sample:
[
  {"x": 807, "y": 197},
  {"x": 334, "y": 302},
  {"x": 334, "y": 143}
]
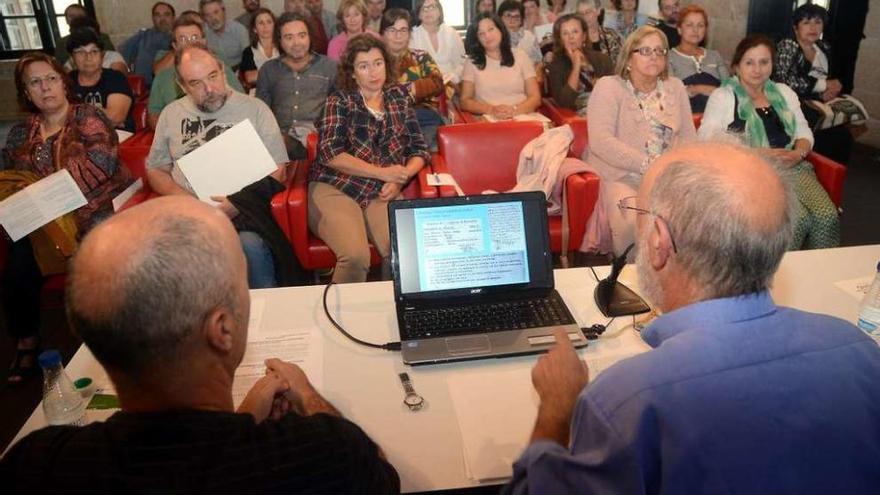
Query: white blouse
[{"x": 449, "y": 54}]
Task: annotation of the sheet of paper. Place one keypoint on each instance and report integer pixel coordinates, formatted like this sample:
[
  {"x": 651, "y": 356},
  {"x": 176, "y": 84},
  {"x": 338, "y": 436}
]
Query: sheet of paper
[
  {"x": 124, "y": 196},
  {"x": 227, "y": 163},
  {"x": 856, "y": 287},
  {"x": 444, "y": 180},
  {"x": 491, "y": 447},
  {"x": 303, "y": 347},
  {"x": 123, "y": 135},
  {"x": 40, "y": 203}
]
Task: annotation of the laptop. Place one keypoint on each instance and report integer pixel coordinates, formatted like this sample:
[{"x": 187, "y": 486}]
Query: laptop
[{"x": 473, "y": 278}]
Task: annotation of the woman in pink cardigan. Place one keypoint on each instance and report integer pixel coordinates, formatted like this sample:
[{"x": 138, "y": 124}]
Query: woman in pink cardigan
[{"x": 632, "y": 118}]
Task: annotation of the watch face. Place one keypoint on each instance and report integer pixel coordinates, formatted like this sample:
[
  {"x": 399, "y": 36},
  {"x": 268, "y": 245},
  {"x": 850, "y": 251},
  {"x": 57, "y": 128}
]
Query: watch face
[{"x": 413, "y": 401}]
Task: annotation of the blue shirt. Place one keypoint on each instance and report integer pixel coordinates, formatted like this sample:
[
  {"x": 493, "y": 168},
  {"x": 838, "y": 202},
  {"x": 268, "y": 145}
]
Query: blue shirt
[
  {"x": 738, "y": 396},
  {"x": 140, "y": 50}
]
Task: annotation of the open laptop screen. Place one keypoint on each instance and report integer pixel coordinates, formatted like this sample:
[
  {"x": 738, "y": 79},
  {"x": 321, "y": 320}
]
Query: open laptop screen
[{"x": 470, "y": 244}]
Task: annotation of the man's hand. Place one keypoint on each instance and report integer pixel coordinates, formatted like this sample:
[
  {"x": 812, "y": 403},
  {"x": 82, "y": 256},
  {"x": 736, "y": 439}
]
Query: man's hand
[
  {"x": 225, "y": 206},
  {"x": 260, "y": 399},
  {"x": 558, "y": 377},
  {"x": 389, "y": 191},
  {"x": 303, "y": 397}
]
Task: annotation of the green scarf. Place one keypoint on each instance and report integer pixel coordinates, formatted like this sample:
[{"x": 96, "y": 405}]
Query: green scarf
[{"x": 746, "y": 110}]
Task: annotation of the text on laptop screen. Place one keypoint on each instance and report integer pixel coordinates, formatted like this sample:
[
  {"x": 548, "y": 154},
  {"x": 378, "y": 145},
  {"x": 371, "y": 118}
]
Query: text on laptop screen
[{"x": 462, "y": 246}]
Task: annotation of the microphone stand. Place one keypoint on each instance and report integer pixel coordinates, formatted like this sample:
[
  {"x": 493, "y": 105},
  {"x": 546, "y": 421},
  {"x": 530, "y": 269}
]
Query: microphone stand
[{"x": 615, "y": 299}]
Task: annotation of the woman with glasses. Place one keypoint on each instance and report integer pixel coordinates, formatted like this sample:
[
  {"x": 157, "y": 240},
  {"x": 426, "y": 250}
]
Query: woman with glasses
[
  {"x": 512, "y": 13},
  {"x": 57, "y": 135},
  {"x": 700, "y": 69},
  {"x": 370, "y": 146},
  {"x": 632, "y": 118},
  {"x": 575, "y": 68},
  {"x": 600, "y": 38},
  {"x": 625, "y": 17},
  {"x": 440, "y": 40},
  {"x": 497, "y": 80},
  {"x": 416, "y": 71},
  {"x": 767, "y": 116},
  {"x": 262, "y": 47},
  {"x": 106, "y": 89}
]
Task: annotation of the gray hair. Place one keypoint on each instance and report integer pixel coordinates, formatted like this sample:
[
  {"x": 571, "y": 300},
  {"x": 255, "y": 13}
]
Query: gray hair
[
  {"x": 161, "y": 297},
  {"x": 718, "y": 245}
]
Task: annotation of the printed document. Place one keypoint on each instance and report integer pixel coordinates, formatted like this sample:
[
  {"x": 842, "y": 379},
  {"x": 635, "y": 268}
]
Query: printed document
[{"x": 40, "y": 203}]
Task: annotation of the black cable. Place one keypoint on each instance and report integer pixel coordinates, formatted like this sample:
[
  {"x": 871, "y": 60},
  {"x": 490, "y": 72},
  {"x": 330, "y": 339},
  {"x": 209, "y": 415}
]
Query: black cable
[
  {"x": 388, "y": 346},
  {"x": 594, "y": 273}
]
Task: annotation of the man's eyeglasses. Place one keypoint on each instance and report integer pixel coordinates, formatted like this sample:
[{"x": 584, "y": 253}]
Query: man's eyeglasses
[
  {"x": 395, "y": 31},
  {"x": 646, "y": 51},
  {"x": 50, "y": 80},
  {"x": 189, "y": 39},
  {"x": 87, "y": 53},
  {"x": 629, "y": 203},
  {"x": 512, "y": 16}
]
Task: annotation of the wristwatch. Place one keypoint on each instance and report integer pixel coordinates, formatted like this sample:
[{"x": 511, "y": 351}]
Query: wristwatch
[{"x": 412, "y": 400}]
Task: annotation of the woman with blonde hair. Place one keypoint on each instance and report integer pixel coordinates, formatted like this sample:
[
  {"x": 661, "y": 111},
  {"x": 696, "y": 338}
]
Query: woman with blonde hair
[
  {"x": 632, "y": 118},
  {"x": 352, "y": 21}
]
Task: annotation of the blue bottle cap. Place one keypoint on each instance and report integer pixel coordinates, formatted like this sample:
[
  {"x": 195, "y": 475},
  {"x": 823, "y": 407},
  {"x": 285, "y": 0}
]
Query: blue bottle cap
[{"x": 49, "y": 358}]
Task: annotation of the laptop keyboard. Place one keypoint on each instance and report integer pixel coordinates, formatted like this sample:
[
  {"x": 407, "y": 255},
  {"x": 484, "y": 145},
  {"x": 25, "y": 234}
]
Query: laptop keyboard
[{"x": 488, "y": 317}]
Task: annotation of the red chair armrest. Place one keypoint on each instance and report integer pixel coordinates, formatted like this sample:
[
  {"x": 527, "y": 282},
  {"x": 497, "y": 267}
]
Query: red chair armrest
[
  {"x": 582, "y": 192},
  {"x": 830, "y": 175},
  {"x": 298, "y": 212},
  {"x": 438, "y": 164},
  {"x": 426, "y": 191}
]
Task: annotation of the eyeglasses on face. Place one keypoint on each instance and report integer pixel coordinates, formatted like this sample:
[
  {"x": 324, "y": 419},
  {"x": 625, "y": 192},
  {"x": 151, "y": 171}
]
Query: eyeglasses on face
[
  {"x": 629, "y": 203},
  {"x": 429, "y": 6},
  {"x": 37, "y": 82},
  {"x": 83, "y": 52},
  {"x": 189, "y": 39},
  {"x": 646, "y": 51},
  {"x": 394, "y": 31}
]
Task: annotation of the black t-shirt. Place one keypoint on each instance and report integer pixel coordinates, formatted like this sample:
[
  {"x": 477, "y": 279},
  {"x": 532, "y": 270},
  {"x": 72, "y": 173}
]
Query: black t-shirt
[
  {"x": 111, "y": 82},
  {"x": 199, "y": 452},
  {"x": 247, "y": 60}
]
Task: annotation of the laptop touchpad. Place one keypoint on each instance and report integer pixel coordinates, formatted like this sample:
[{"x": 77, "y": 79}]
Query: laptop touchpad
[{"x": 473, "y": 344}]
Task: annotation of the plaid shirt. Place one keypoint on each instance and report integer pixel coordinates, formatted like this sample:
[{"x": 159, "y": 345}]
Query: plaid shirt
[
  {"x": 793, "y": 69},
  {"x": 348, "y": 127},
  {"x": 421, "y": 76}
]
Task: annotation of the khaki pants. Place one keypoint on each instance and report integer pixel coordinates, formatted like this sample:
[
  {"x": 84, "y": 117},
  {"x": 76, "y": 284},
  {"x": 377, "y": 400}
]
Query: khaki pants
[{"x": 341, "y": 223}]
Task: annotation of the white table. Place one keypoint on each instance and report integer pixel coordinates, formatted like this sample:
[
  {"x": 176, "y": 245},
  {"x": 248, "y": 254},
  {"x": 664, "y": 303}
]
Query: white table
[{"x": 426, "y": 446}]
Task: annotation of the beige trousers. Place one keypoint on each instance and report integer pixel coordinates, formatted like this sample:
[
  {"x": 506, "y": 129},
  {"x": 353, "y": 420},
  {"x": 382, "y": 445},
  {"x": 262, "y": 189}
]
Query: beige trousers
[{"x": 347, "y": 229}]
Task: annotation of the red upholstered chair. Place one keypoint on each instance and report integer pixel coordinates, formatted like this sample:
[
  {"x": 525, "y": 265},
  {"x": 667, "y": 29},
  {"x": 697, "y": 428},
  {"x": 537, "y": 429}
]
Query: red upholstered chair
[
  {"x": 484, "y": 156},
  {"x": 138, "y": 86},
  {"x": 139, "y": 115},
  {"x": 830, "y": 174},
  {"x": 292, "y": 214}
]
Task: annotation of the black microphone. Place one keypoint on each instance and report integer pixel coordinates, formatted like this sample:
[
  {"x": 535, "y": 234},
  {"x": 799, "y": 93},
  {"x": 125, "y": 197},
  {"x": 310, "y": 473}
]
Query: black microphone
[{"x": 615, "y": 299}]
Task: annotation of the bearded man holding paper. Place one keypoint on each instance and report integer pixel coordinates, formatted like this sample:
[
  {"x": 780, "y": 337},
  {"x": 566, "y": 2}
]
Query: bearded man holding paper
[{"x": 208, "y": 110}]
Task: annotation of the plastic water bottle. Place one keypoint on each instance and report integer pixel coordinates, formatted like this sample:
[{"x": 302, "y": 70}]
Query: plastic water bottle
[
  {"x": 62, "y": 403},
  {"x": 869, "y": 310}
]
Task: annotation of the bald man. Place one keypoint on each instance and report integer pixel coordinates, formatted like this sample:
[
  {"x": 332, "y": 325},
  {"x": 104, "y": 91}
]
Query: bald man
[
  {"x": 738, "y": 395},
  {"x": 158, "y": 293}
]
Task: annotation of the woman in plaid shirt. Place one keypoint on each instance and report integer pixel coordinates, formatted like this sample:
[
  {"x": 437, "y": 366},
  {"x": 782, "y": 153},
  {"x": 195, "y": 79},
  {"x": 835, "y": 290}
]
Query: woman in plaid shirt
[{"x": 370, "y": 146}]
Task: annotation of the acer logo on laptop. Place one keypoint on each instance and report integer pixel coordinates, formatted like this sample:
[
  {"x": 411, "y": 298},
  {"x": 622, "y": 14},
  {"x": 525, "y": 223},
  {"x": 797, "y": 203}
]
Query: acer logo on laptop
[{"x": 476, "y": 291}]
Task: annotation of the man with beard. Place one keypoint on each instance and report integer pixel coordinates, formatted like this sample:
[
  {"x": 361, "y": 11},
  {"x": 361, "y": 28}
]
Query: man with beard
[
  {"x": 296, "y": 85},
  {"x": 208, "y": 110},
  {"x": 668, "y": 21},
  {"x": 738, "y": 395},
  {"x": 227, "y": 38},
  {"x": 250, "y": 8},
  {"x": 140, "y": 50}
]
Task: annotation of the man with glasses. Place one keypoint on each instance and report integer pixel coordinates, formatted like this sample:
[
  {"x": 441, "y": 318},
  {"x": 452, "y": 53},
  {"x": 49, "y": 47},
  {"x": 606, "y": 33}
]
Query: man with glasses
[
  {"x": 71, "y": 13},
  {"x": 140, "y": 50},
  {"x": 165, "y": 90},
  {"x": 668, "y": 21},
  {"x": 738, "y": 395},
  {"x": 296, "y": 85}
]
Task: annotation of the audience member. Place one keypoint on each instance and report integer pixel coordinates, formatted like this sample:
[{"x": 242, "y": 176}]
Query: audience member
[
  {"x": 158, "y": 294},
  {"x": 632, "y": 118},
  {"x": 767, "y": 116},
  {"x": 804, "y": 64},
  {"x": 440, "y": 40},
  {"x": 110, "y": 59},
  {"x": 533, "y": 15},
  {"x": 296, "y": 85},
  {"x": 415, "y": 70},
  {"x": 669, "y": 19},
  {"x": 700, "y": 69},
  {"x": 601, "y": 38},
  {"x": 737, "y": 394},
  {"x": 71, "y": 13},
  {"x": 141, "y": 49},
  {"x": 496, "y": 81},
  {"x": 352, "y": 17},
  {"x": 165, "y": 89},
  {"x": 575, "y": 68},
  {"x": 484, "y": 6},
  {"x": 625, "y": 18},
  {"x": 263, "y": 47},
  {"x": 318, "y": 38},
  {"x": 375, "y": 9},
  {"x": 165, "y": 58},
  {"x": 327, "y": 18},
  {"x": 369, "y": 147},
  {"x": 250, "y": 11},
  {"x": 557, "y": 8},
  {"x": 511, "y": 13},
  {"x": 57, "y": 135},
  {"x": 106, "y": 89},
  {"x": 208, "y": 110},
  {"x": 227, "y": 38}
]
